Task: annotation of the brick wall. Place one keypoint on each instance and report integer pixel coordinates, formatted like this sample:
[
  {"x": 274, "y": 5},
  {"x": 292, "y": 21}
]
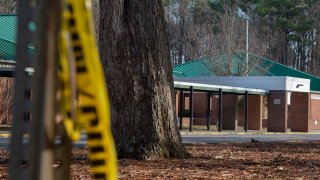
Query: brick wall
[
  {"x": 264, "y": 123},
  {"x": 200, "y": 104},
  {"x": 199, "y": 108},
  {"x": 255, "y": 112},
  {"x": 314, "y": 120},
  {"x": 229, "y": 112},
  {"x": 277, "y": 111},
  {"x": 298, "y": 113},
  {"x": 232, "y": 116},
  {"x": 215, "y": 107},
  {"x": 199, "y": 121},
  {"x": 240, "y": 110}
]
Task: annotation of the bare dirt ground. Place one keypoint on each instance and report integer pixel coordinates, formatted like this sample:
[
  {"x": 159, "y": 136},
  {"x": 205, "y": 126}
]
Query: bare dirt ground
[{"x": 290, "y": 160}]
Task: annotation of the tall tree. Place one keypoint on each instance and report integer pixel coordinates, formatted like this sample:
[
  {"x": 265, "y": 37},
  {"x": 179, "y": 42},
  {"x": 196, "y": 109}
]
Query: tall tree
[
  {"x": 134, "y": 50},
  {"x": 289, "y": 25},
  {"x": 315, "y": 57},
  {"x": 286, "y": 31}
]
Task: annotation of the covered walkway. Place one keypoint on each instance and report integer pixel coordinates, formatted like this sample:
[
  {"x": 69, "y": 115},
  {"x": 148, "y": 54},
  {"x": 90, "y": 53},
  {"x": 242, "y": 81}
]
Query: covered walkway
[
  {"x": 190, "y": 88},
  {"x": 7, "y": 68}
]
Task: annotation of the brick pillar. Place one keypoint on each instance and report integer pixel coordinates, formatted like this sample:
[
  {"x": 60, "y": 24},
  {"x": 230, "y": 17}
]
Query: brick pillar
[
  {"x": 299, "y": 112},
  {"x": 229, "y": 112},
  {"x": 255, "y": 112},
  {"x": 277, "y": 111},
  {"x": 314, "y": 120}
]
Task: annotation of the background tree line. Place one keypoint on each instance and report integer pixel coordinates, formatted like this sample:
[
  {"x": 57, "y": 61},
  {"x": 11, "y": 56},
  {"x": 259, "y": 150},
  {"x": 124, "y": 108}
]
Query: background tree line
[{"x": 286, "y": 31}]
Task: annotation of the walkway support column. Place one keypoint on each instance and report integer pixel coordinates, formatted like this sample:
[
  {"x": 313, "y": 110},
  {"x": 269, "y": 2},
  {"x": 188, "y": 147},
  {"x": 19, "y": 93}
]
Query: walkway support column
[
  {"x": 191, "y": 108},
  {"x": 208, "y": 110},
  {"x": 246, "y": 111},
  {"x": 181, "y": 108},
  {"x": 220, "y": 111}
]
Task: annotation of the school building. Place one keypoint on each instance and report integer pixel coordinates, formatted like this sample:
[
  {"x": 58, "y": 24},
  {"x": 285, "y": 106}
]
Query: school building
[{"x": 273, "y": 97}]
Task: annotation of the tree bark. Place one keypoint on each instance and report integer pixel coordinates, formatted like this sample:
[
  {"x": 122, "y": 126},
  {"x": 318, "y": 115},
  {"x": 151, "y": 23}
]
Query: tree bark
[
  {"x": 135, "y": 53},
  {"x": 6, "y": 95}
]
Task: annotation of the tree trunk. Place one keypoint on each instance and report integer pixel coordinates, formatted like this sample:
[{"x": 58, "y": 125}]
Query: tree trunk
[
  {"x": 286, "y": 44},
  {"x": 134, "y": 51},
  {"x": 6, "y": 95}
]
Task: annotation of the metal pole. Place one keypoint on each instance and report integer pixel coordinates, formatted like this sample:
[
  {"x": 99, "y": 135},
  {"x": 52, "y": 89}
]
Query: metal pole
[
  {"x": 247, "y": 48},
  {"x": 208, "y": 111},
  {"x": 24, "y": 163},
  {"x": 181, "y": 108},
  {"x": 220, "y": 110},
  {"x": 32, "y": 153},
  {"x": 191, "y": 108},
  {"x": 246, "y": 112}
]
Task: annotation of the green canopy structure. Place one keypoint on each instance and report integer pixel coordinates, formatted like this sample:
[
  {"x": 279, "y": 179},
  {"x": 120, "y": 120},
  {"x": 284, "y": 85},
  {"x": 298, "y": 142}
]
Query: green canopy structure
[{"x": 258, "y": 66}]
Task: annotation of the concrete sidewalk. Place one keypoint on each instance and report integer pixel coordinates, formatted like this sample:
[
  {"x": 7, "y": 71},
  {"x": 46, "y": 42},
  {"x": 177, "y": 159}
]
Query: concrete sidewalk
[
  {"x": 232, "y": 132},
  {"x": 208, "y": 137},
  {"x": 240, "y": 138}
]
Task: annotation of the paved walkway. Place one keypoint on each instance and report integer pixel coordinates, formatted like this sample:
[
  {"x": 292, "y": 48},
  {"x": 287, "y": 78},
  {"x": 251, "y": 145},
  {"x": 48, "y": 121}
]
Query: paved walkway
[
  {"x": 248, "y": 137},
  {"x": 198, "y": 137}
]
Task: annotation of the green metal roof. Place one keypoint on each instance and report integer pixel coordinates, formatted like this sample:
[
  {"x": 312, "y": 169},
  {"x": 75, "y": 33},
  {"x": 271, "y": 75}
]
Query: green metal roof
[
  {"x": 8, "y": 26},
  {"x": 260, "y": 67},
  {"x": 8, "y": 36},
  {"x": 196, "y": 68}
]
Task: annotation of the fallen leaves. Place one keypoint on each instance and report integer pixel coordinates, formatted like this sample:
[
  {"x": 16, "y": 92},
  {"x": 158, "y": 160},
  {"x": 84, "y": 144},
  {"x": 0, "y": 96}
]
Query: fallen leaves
[{"x": 294, "y": 160}]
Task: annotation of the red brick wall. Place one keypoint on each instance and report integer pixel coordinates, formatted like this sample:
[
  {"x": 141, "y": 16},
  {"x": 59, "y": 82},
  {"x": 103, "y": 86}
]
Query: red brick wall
[
  {"x": 296, "y": 111},
  {"x": 240, "y": 110},
  {"x": 314, "y": 120},
  {"x": 255, "y": 112},
  {"x": 186, "y": 101},
  {"x": 298, "y": 114},
  {"x": 229, "y": 112},
  {"x": 277, "y": 113},
  {"x": 215, "y": 106},
  {"x": 232, "y": 116},
  {"x": 264, "y": 123},
  {"x": 199, "y": 108},
  {"x": 199, "y": 104}
]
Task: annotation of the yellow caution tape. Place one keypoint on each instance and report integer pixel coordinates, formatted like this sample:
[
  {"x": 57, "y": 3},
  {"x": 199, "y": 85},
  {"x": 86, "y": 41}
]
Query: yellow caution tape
[{"x": 92, "y": 110}]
